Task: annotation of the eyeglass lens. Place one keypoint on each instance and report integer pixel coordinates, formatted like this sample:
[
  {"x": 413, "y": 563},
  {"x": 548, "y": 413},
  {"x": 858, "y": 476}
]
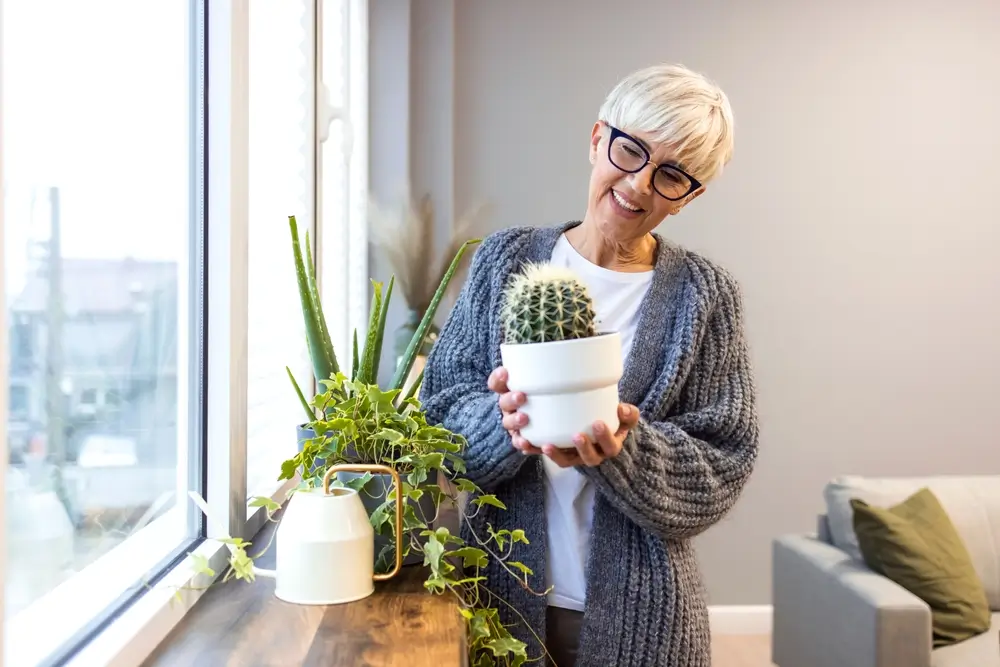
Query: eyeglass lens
[{"x": 631, "y": 157}]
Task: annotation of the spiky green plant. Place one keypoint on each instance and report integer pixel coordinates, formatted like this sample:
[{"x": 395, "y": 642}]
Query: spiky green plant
[
  {"x": 546, "y": 303},
  {"x": 366, "y": 364}
]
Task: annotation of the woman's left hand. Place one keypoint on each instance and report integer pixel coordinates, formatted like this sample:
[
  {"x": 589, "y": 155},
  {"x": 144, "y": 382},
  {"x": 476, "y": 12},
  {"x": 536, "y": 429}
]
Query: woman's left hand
[{"x": 607, "y": 445}]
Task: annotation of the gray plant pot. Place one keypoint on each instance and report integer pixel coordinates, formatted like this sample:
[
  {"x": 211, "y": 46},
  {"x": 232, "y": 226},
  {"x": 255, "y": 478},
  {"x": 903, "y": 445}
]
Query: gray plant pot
[{"x": 373, "y": 494}]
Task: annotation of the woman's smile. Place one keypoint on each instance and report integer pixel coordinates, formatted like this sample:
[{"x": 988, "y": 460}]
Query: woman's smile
[{"x": 623, "y": 206}]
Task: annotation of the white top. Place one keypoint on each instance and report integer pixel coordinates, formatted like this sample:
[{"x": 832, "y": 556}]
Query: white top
[{"x": 569, "y": 496}]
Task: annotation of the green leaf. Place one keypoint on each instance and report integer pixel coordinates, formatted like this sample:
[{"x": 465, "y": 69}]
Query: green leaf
[
  {"x": 302, "y": 399},
  {"x": 381, "y": 328},
  {"x": 417, "y": 477},
  {"x": 200, "y": 565},
  {"x": 415, "y": 387},
  {"x": 266, "y": 503},
  {"x": 518, "y": 536},
  {"x": 358, "y": 483},
  {"x": 355, "y": 364},
  {"x": 288, "y": 469},
  {"x": 433, "y": 461},
  {"x": 471, "y": 556},
  {"x": 417, "y": 340},
  {"x": 320, "y": 348},
  {"x": 520, "y": 566},
  {"x": 435, "y": 584},
  {"x": 466, "y": 485},
  {"x": 371, "y": 340},
  {"x": 415, "y": 494},
  {"x": 390, "y": 435},
  {"x": 457, "y": 462},
  {"x": 489, "y": 499},
  {"x": 235, "y": 541},
  {"x": 504, "y": 645},
  {"x": 479, "y": 627},
  {"x": 433, "y": 552}
]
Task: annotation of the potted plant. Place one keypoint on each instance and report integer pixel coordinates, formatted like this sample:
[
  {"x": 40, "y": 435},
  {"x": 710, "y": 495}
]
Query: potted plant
[
  {"x": 554, "y": 353},
  {"x": 360, "y": 433},
  {"x": 352, "y": 419}
]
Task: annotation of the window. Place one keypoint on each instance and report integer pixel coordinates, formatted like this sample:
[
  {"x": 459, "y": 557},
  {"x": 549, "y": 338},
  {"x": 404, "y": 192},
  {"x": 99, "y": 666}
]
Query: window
[
  {"x": 150, "y": 300},
  {"x": 102, "y": 111},
  {"x": 281, "y": 184}
]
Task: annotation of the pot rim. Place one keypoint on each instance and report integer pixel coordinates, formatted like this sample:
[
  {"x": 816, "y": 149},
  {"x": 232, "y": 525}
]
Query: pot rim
[
  {"x": 337, "y": 492},
  {"x": 601, "y": 335}
]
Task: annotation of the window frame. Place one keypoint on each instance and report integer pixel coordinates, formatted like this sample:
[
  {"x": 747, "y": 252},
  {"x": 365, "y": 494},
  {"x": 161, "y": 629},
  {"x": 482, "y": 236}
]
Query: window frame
[{"x": 218, "y": 412}]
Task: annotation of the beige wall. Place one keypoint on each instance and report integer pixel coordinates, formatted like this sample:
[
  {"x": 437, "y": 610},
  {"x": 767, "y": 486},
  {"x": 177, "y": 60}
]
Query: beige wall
[{"x": 860, "y": 212}]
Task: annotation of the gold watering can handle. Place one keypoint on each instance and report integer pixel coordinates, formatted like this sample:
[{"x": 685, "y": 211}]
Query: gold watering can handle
[{"x": 374, "y": 468}]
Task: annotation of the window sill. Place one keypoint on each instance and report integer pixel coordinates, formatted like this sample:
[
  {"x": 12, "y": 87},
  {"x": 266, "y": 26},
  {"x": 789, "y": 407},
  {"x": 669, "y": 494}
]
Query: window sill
[
  {"x": 134, "y": 633},
  {"x": 241, "y": 624}
]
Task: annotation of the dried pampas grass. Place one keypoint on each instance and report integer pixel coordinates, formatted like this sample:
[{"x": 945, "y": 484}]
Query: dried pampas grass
[{"x": 406, "y": 235}]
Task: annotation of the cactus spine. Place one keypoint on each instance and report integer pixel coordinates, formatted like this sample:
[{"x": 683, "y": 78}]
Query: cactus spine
[{"x": 546, "y": 303}]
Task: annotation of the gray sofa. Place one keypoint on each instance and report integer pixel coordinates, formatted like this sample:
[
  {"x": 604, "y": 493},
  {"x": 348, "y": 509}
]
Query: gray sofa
[{"x": 831, "y": 610}]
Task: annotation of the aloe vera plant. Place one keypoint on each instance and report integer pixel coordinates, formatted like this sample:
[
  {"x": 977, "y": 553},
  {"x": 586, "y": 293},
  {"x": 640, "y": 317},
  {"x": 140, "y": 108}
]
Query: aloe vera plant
[{"x": 366, "y": 364}]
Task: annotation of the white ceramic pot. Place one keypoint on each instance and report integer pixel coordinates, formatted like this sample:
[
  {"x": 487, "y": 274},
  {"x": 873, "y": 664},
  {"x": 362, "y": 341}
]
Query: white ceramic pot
[
  {"x": 568, "y": 384},
  {"x": 325, "y": 544}
]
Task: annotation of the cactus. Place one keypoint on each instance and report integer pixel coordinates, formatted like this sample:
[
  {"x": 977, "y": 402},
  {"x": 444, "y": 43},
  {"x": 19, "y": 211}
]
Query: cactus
[{"x": 546, "y": 303}]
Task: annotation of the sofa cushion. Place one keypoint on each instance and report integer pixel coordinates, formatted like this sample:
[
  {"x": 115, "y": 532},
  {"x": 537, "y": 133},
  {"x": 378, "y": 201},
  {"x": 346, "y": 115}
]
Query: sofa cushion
[
  {"x": 972, "y": 503},
  {"x": 980, "y": 651},
  {"x": 915, "y": 545}
]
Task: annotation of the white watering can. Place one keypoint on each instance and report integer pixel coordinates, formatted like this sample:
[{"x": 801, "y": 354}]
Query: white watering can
[{"x": 325, "y": 543}]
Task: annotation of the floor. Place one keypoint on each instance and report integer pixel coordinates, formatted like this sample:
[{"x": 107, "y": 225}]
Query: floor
[{"x": 741, "y": 651}]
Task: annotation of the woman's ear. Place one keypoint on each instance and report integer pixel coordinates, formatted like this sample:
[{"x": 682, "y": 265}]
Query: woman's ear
[{"x": 595, "y": 140}]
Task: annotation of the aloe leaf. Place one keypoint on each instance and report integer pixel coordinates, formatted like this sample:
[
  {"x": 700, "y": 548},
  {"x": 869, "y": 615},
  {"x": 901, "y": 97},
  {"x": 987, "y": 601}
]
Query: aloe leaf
[
  {"x": 367, "y": 356},
  {"x": 354, "y": 360},
  {"x": 322, "y": 357},
  {"x": 417, "y": 381},
  {"x": 380, "y": 334},
  {"x": 418, "y": 336},
  {"x": 314, "y": 293},
  {"x": 302, "y": 398}
]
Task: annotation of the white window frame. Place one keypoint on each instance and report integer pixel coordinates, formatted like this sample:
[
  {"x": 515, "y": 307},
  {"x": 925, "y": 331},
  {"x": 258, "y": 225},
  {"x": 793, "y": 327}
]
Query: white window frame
[
  {"x": 4, "y": 399},
  {"x": 137, "y": 630}
]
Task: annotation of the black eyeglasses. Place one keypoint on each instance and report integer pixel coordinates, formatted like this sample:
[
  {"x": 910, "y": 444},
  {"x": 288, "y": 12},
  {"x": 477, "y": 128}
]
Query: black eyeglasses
[{"x": 629, "y": 155}]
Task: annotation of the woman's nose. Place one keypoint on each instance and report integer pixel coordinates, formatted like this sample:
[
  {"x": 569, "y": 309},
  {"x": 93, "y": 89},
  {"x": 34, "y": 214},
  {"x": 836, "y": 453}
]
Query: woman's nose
[{"x": 642, "y": 180}]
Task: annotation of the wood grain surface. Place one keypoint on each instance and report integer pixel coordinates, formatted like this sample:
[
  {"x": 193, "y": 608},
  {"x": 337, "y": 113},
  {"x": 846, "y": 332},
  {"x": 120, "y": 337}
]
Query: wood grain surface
[{"x": 244, "y": 625}]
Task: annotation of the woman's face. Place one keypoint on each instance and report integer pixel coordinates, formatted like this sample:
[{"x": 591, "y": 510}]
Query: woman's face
[{"x": 625, "y": 206}]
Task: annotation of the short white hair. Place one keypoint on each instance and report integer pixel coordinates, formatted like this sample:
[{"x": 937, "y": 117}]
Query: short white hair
[{"x": 681, "y": 109}]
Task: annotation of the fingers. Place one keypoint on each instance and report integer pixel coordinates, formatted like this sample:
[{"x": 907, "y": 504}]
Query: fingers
[
  {"x": 512, "y": 421},
  {"x": 628, "y": 417},
  {"x": 589, "y": 453},
  {"x": 497, "y": 382},
  {"x": 610, "y": 445},
  {"x": 523, "y": 446},
  {"x": 564, "y": 458},
  {"x": 511, "y": 401}
]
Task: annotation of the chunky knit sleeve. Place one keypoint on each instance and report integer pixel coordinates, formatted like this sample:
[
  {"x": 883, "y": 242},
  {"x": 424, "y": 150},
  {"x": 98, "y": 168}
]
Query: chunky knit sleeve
[
  {"x": 679, "y": 476},
  {"x": 454, "y": 391}
]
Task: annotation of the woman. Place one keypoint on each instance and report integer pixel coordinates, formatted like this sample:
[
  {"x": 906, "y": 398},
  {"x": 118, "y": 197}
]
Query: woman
[{"x": 614, "y": 539}]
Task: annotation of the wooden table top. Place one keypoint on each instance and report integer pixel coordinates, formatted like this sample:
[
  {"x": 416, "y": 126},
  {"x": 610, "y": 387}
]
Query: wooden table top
[{"x": 237, "y": 624}]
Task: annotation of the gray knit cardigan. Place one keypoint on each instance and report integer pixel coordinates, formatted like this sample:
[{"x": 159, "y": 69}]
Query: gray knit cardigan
[{"x": 679, "y": 472}]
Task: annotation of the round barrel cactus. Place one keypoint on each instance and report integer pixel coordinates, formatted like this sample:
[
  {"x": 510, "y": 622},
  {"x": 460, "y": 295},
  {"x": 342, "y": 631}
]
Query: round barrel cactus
[{"x": 546, "y": 303}]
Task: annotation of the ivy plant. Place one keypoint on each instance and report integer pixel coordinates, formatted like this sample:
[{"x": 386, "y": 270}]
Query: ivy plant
[{"x": 356, "y": 421}]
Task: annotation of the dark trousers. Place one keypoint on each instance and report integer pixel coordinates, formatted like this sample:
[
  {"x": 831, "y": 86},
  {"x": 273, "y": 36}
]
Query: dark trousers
[{"x": 562, "y": 636}]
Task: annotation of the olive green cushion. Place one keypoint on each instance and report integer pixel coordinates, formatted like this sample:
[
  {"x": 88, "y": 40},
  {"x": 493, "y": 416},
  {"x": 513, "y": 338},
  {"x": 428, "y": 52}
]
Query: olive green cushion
[{"x": 916, "y": 545}]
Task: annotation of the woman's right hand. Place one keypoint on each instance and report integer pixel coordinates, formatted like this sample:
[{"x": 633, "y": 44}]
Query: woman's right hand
[{"x": 510, "y": 401}]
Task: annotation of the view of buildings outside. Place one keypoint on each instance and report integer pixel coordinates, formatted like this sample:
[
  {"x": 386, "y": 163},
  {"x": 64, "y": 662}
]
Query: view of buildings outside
[{"x": 96, "y": 210}]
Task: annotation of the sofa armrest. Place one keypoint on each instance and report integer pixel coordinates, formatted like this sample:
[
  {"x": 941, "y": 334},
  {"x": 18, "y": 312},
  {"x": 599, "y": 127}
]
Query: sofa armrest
[{"x": 831, "y": 611}]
